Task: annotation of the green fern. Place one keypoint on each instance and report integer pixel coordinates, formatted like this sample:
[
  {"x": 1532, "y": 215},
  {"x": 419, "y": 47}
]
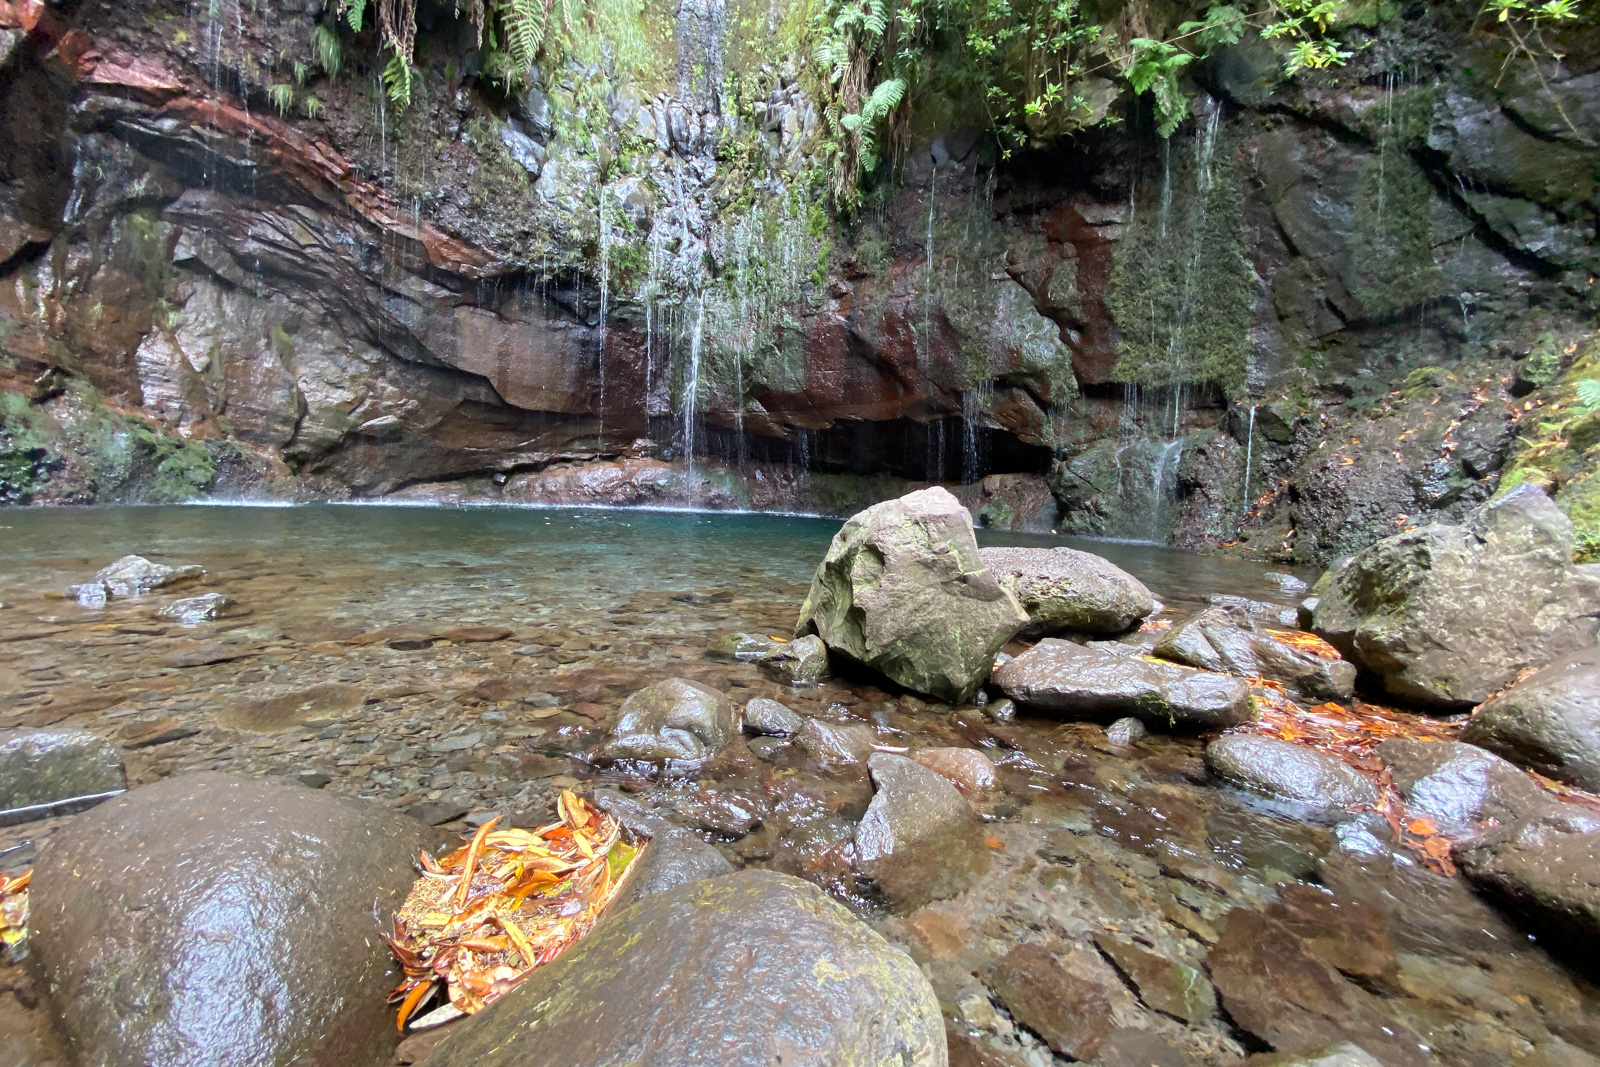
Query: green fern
[
  {"x": 314, "y": 108},
  {"x": 281, "y": 97},
  {"x": 330, "y": 55},
  {"x": 397, "y": 80},
  {"x": 354, "y": 12},
  {"x": 1589, "y": 393},
  {"x": 523, "y": 23}
]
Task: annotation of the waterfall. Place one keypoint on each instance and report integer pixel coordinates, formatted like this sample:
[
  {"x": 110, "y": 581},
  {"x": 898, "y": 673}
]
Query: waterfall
[
  {"x": 927, "y": 281},
  {"x": 1177, "y": 348},
  {"x": 1249, "y": 456},
  {"x": 605, "y": 295},
  {"x": 692, "y": 387},
  {"x": 1164, "y": 488}
]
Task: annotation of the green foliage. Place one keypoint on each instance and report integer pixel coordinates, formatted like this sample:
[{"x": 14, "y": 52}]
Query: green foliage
[
  {"x": 1393, "y": 240},
  {"x": 1154, "y": 67},
  {"x": 281, "y": 97},
  {"x": 1588, "y": 390},
  {"x": 327, "y": 49},
  {"x": 1181, "y": 288},
  {"x": 23, "y": 450}
]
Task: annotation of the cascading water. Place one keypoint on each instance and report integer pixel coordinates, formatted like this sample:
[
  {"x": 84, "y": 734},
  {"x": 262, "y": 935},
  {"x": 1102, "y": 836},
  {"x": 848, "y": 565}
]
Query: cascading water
[
  {"x": 605, "y": 296},
  {"x": 691, "y": 390},
  {"x": 1249, "y": 457}
]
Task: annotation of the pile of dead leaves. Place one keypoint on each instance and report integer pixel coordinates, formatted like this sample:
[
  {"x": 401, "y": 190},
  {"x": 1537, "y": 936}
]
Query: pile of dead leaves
[
  {"x": 484, "y": 916},
  {"x": 1305, "y": 642},
  {"x": 13, "y": 913}
]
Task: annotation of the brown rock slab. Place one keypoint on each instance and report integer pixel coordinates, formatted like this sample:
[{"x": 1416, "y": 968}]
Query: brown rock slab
[
  {"x": 1165, "y": 985},
  {"x": 1072, "y": 1014}
]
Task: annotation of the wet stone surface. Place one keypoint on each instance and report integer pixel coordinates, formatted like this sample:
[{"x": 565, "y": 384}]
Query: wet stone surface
[{"x": 460, "y": 663}]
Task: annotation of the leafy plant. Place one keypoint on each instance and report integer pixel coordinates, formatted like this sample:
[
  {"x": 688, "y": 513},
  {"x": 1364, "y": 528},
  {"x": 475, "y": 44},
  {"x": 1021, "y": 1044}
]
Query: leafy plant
[
  {"x": 281, "y": 97},
  {"x": 1154, "y": 67},
  {"x": 1589, "y": 393}
]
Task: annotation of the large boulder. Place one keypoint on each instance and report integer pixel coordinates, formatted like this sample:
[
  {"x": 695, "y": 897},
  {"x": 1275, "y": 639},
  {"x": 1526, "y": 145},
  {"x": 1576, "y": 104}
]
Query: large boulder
[
  {"x": 46, "y": 767},
  {"x": 1445, "y": 615},
  {"x": 215, "y": 921},
  {"x": 1064, "y": 589},
  {"x": 919, "y": 841},
  {"x": 1062, "y": 678},
  {"x": 1546, "y": 868},
  {"x": 904, "y": 591},
  {"x": 1227, "y": 639},
  {"x": 1459, "y": 786},
  {"x": 132, "y": 576},
  {"x": 1289, "y": 771},
  {"x": 753, "y": 967},
  {"x": 1549, "y": 721},
  {"x": 676, "y": 720}
]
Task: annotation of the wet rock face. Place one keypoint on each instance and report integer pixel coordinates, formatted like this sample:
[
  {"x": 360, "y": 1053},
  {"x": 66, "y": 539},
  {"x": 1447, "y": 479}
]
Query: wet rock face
[
  {"x": 670, "y": 980},
  {"x": 919, "y": 841},
  {"x": 764, "y": 716},
  {"x": 803, "y": 661},
  {"x": 828, "y": 742},
  {"x": 1064, "y": 589},
  {"x": 1228, "y": 639},
  {"x": 1460, "y": 786},
  {"x": 1072, "y": 1014},
  {"x": 1427, "y": 611},
  {"x": 904, "y": 591},
  {"x": 197, "y": 954},
  {"x": 672, "y": 720},
  {"x": 1073, "y": 681},
  {"x": 45, "y": 766},
  {"x": 965, "y": 768},
  {"x": 1290, "y": 771},
  {"x": 133, "y": 576},
  {"x": 1549, "y": 721},
  {"x": 1546, "y": 868}
]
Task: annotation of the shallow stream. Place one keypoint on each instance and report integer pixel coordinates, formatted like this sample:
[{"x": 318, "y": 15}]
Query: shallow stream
[{"x": 455, "y": 663}]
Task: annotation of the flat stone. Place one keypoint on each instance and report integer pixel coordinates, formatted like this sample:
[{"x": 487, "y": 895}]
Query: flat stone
[
  {"x": 1072, "y": 1014},
  {"x": 1546, "y": 869},
  {"x": 1064, "y": 589},
  {"x": 1125, "y": 732},
  {"x": 668, "y": 980},
  {"x": 438, "y": 812},
  {"x": 1166, "y": 985},
  {"x": 46, "y": 766},
  {"x": 764, "y": 716},
  {"x": 133, "y": 576},
  {"x": 966, "y": 768},
  {"x": 1069, "y": 680},
  {"x": 1289, "y": 771},
  {"x": 193, "y": 610},
  {"x": 919, "y": 840},
  {"x": 803, "y": 661},
  {"x": 828, "y": 742},
  {"x": 1227, "y": 639},
  {"x": 465, "y": 635}
]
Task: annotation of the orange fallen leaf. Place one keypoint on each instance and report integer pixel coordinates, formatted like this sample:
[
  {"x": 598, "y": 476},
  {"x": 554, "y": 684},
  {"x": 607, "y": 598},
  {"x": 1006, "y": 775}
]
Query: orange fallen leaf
[
  {"x": 1422, "y": 827},
  {"x": 994, "y": 843}
]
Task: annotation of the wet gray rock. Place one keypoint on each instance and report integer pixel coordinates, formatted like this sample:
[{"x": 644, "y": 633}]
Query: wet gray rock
[
  {"x": 1460, "y": 786},
  {"x": 1064, "y": 589},
  {"x": 136, "y": 576},
  {"x": 764, "y": 716},
  {"x": 675, "y": 720},
  {"x": 1344, "y": 1054},
  {"x": 46, "y": 766},
  {"x": 965, "y": 768},
  {"x": 741, "y": 646},
  {"x": 1261, "y": 610},
  {"x": 1125, "y": 731},
  {"x": 1227, "y": 639},
  {"x": 828, "y": 742},
  {"x": 1072, "y": 1014},
  {"x": 1549, "y": 721},
  {"x": 1289, "y": 771},
  {"x": 193, "y": 610},
  {"x": 1545, "y": 868},
  {"x": 668, "y": 981},
  {"x": 1166, "y": 985},
  {"x": 919, "y": 840},
  {"x": 1068, "y": 680},
  {"x": 803, "y": 661},
  {"x": 767, "y": 748},
  {"x": 903, "y": 590},
  {"x": 1287, "y": 582},
  {"x": 673, "y": 857},
  {"x": 196, "y": 956},
  {"x": 1431, "y": 612}
]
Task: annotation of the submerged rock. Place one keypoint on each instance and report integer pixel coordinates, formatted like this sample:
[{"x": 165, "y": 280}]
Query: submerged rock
[
  {"x": 1445, "y": 615},
  {"x": 1065, "y": 679},
  {"x": 764, "y": 716},
  {"x": 47, "y": 766},
  {"x": 741, "y": 646},
  {"x": 803, "y": 661},
  {"x": 1289, "y": 771},
  {"x": 918, "y": 841},
  {"x": 1227, "y": 639},
  {"x": 1126, "y": 731},
  {"x": 753, "y": 967},
  {"x": 1166, "y": 985},
  {"x": 193, "y": 610},
  {"x": 1064, "y": 589},
  {"x": 1549, "y": 721},
  {"x": 904, "y": 591},
  {"x": 230, "y": 925},
  {"x": 1072, "y": 1014},
  {"x": 828, "y": 742},
  {"x": 1547, "y": 868},
  {"x": 1459, "y": 786},
  {"x": 1344, "y": 1054},
  {"x": 966, "y": 768},
  {"x": 675, "y": 720}
]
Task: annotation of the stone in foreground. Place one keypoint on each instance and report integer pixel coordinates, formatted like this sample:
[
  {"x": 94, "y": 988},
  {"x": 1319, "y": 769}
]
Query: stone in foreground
[
  {"x": 1075, "y": 681},
  {"x": 1226, "y": 638},
  {"x": 904, "y": 591},
  {"x": 919, "y": 841},
  {"x": 1549, "y": 721},
  {"x": 1547, "y": 868},
  {"x": 803, "y": 661},
  {"x": 1072, "y": 1014},
  {"x": 1064, "y": 589},
  {"x": 48, "y": 766},
  {"x": 133, "y": 576},
  {"x": 215, "y": 921},
  {"x": 1289, "y": 771},
  {"x": 753, "y": 967},
  {"x": 1445, "y": 615},
  {"x": 675, "y": 720},
  {"x": 1344, "y": 1054},
  {"x": 193, "y": 610},
  {"x": 769, "y": 717}
]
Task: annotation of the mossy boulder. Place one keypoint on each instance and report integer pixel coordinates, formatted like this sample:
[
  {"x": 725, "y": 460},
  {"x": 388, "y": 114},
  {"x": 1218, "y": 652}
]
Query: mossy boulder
[
  {"x": 753, "y": 967},
  {"x": 903, "y": 590},
  {"x": 1445, "y": 615}
]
